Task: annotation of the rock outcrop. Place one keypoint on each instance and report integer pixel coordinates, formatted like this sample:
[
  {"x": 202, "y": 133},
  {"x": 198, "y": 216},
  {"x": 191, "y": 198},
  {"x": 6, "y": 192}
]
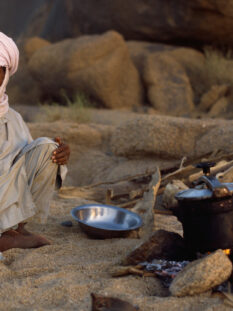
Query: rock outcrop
[
  {"x": 186, "y": 22},
  {"x": 99, "y": 66},
  {"x": 168, "y": 87},
  {"x": 202, "y": 275},
  {"x": 170, "y": 137}
]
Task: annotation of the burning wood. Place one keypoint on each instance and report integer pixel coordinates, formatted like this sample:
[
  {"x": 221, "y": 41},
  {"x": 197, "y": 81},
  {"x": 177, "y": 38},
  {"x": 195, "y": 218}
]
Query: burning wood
[{"x": 226, "y": 251}]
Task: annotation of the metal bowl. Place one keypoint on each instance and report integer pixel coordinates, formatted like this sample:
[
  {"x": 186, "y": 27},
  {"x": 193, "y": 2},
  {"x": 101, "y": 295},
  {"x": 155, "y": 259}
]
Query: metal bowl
[{"x": 106, "y": 221}]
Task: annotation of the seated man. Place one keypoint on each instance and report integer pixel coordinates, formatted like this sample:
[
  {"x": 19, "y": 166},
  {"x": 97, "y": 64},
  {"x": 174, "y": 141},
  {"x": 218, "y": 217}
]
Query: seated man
[{"x": 29, "y": 169}]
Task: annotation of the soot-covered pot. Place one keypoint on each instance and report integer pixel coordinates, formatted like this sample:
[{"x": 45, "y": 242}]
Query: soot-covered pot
[{"x": 206, "y": 213}]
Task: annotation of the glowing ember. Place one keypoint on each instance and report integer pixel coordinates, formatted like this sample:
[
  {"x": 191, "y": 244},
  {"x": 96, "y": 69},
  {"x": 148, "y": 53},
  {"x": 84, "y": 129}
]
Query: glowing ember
[{"x": 227, "y": 251}]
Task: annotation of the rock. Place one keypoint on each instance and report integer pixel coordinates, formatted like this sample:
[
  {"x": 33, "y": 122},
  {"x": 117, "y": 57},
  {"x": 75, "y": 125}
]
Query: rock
[
  {"x": 22, "y": 88},
  {"x": 98, "y": 65},
  {"x": 161, "y": 245},
  {"x": 212, "y": 96},
  {"x": 216, "y": 139},
  {"x": 158, "y": 20},
  {"x": 140, "y": 50},
  {"x": 168, "y": 87},
  {"x": 220, "y": 108},
  {"x": 160, "y": 136},
  {"x": 103, "y": 303},
  {"x": 169, "y": 201},
  {"x": 33, "y": 44},
  {"x": 50, "y": 20},
  {"x": 202, "y": 274},
  {"x": 153, "y": 21},
  {"x": 67, "y": 223},
  {"x": 193, "y": 62},
  {"x": 171, "y": 138},
  {"x": 145, "y": 206}
]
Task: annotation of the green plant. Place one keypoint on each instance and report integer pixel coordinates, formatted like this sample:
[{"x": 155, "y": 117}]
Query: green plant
[
  {"x": 218, "y": 66},
  {"x": 76, "y": 110},
  {"x": 216, "y": 70}
]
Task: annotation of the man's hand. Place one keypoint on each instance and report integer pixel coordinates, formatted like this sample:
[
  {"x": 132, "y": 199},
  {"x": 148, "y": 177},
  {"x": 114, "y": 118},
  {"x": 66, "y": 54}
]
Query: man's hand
[{"x": 62, "y": 153}]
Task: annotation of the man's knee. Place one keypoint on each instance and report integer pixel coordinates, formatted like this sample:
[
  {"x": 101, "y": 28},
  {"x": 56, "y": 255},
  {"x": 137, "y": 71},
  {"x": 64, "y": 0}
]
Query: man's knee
[
  {"x": 45, "y": 146},
  {"x": 44, "y": 143}
]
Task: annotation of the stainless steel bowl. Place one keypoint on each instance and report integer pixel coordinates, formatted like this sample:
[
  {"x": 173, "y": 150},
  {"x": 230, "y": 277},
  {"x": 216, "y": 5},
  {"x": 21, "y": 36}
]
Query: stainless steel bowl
[{"x": 106, "y": 221}]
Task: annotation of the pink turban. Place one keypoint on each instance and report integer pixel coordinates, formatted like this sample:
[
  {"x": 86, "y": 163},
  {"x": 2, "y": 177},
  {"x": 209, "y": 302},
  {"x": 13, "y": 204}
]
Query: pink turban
[
  {"x": 9, "y": 58},
  {"x": 9, "y": 54}
]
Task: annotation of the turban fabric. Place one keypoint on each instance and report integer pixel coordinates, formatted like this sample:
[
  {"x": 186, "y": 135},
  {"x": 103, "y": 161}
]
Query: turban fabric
[{"x": 9, "y": 58}]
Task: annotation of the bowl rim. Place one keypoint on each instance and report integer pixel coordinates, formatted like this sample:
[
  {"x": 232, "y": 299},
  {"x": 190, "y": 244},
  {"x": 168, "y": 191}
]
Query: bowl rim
[{"x": 87, "y": 206}]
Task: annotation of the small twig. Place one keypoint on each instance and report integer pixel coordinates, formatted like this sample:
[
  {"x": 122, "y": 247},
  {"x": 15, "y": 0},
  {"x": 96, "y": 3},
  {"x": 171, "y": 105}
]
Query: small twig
[
  {"x": 128, "y": 204},
  {"x": 135, "y": 270},
  {"x": 109, "y": 195},
  {"x": 182, "y": 162},
  {"x": 163, "y": 211},
  {"x": 126, "y": 178}
]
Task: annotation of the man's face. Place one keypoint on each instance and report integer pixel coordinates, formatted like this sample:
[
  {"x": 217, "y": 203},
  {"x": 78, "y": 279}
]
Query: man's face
[{"x": 2, "y": 75}]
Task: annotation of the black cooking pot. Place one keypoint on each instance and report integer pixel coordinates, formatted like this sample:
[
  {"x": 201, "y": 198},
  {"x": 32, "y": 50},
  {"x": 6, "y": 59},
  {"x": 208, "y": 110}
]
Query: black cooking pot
[{"x": 206, "y": 213}]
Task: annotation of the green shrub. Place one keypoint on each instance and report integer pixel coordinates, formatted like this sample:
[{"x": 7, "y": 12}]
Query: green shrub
[{"x": 76, "y": 110}]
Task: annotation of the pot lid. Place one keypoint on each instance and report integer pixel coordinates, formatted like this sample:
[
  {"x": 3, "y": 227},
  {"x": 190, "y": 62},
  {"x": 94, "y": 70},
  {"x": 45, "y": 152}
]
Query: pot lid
[
  {"x": 194, "y": 194},
  {"x": 215, "y": 189}
]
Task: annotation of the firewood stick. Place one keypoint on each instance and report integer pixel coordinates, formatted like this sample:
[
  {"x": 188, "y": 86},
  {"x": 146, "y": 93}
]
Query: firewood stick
[
  {"x": 127, "y": 204},
  {"x": 215, "y": 170},
  {"x": 135, "y": 270}
]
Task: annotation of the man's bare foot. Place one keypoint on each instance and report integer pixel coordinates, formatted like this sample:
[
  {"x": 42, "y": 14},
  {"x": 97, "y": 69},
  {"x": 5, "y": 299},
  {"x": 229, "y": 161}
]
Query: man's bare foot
[
  {"x": 15, "y": 239},
  {"x": 21, "y": 229}
]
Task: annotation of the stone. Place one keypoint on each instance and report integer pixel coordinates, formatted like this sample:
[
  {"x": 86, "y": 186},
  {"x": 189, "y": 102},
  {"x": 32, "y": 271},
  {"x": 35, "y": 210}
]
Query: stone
[
  {"x": 145, "y": 206},
  {"x": 168, "y": 87},
  {"x": 155, "y": 20},
  {"x": 201, "y": 275},
  {"x": 33, "y": 44},
  {"x": 160, "y": 136},
  {"x": 171, "y": 138},
  {"x": 220, "y": 108},
  {"x": 169, "y": 201},
  {"x": 216, "y": 139},
  {"x": 22, "y": 88},
  {"x": 103, "y": 303},
  {"x": 161, "y": 245},
  {"x": 67, "y": 223},
  {"x": 140, "y": 50},
  {"x": 98, "y": 66},
  {"x": 191, "y": 60},
  {"x": 212, "y": 96}
]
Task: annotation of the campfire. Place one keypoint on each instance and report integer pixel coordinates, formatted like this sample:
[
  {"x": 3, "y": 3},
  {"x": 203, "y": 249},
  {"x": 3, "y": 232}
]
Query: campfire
[
  {"x": 205, "y": 212},
  {"x": 227, "y": 251}
]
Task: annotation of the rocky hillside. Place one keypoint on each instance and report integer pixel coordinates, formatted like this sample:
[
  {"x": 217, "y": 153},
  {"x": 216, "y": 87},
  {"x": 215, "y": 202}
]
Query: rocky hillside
[
  {"x": 180, "y": 22},
  {"x": 115, "y": 73}
]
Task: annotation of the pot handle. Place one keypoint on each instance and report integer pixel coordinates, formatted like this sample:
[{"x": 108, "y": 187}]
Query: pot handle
[{"x": 219, "y": 190}]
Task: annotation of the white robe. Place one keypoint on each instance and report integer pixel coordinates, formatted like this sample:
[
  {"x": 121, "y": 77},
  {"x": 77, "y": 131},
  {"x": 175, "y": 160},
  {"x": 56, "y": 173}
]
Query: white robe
[{"x": 16, "y": 198}]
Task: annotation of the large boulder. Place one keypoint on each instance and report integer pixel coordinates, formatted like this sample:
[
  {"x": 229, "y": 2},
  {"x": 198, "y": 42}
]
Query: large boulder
[
  {"x": 191, "y": 61},
  {"x": 32, "y": 45},
  {"x": 99, "y": 66},
  {"x": 170, "y": 137},
  {"x": 202, "y": 275},
  {"x": 187, "y": 22},
  {"x": 140, "y": 50},
  {"x": 168, "y": 87}
]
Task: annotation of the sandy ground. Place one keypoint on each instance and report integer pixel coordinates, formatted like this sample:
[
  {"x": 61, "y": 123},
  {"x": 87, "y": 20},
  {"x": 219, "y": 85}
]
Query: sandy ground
[{"x": 61, "y": 276}]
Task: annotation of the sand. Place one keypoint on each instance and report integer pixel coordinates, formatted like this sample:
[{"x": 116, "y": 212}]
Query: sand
[{"x": 61, "y": 276}]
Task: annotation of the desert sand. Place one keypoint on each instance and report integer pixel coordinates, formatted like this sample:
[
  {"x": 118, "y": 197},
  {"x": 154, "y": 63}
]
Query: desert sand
[{"x": 62, "y": 276}]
